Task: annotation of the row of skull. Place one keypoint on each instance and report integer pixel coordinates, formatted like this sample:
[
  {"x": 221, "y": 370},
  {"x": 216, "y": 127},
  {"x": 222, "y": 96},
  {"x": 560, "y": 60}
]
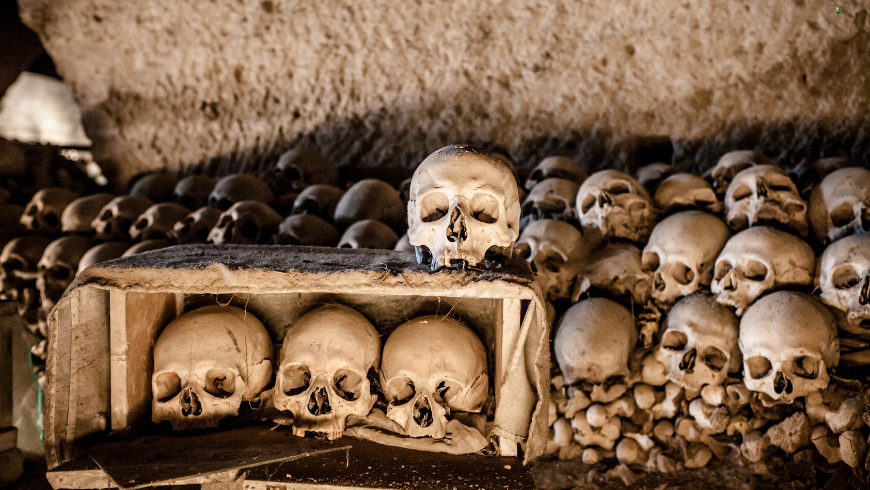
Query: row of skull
[
  {"x": 785, "y": 344},
  {"x": 331, "y": 367}
]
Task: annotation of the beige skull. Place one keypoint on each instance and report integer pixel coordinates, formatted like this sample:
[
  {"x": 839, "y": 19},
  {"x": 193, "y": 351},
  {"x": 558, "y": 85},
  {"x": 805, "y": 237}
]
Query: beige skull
[
  {"x": 302, "y": 167},
  {"x": 555, "y": 251},
  {"x": 246, "y": 223},
  {"x": 810, "y": 173},
  {"x": 157, "y": 221},
  {"x": 552, "y": 198},
  {"x": 617, "y": 271},
  {"x": 840, "y": 205},
  {"x": 18, "y": 263},
  {"x": 681, "y": 192},
  {"x": 236, "y": 188},
  {"x": 157, "y": 187},
  {"x": 369, "y": 234},
  {"x": 78, "y": 216},
  {"x": 319, "y": 200},
  {"x": 103, "y": 253},
  {"x": 192, "y": 191},
  {"x": 616, "y": 205},
  {"x": 556, "y": 167},
  {"x": 43, "y": 212},
  {"x": 369, "y": 199},
  {"x": 58, "y": 267},
  {"x": 307, "y": 229},
  {"x": 844, "y": 280},
  {"x": 195, "y": 227},
  {"x": 114, "y": 220},
  {"x": 731, "y": 164},
  {"x": 764, "y": 195}
]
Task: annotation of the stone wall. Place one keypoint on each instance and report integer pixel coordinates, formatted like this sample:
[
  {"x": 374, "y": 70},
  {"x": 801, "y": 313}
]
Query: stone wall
[{"x": 376, "y": 84}]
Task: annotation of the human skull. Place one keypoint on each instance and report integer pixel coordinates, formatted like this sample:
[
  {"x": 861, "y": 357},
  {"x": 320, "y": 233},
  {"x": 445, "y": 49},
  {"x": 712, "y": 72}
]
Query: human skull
[
  {"x": 192, "y": 191},
  {"x": 681, "y": 253},
  {"x": 307, "y": 229},
  {"x": 788, "y": 341},
  {"x": 758, "y": 260},
  {"x": 809, "y": 173},
  {"x": 370, "y": 199},
  {"x": 114, "y": 220},
  {"x": 206, "y": 363},
  {"x": 731, "y": 164},
  {"x": 594, "y": 340},
  {"x": 617, "y": 271},
  {"x": 840, "y": 205},
  {"x": 699, "y": 346},
  {"x": 765, "y": 195},
  {"x": 103, "y": 253},
  {"x": 158, "y": 187},
  {"x": 79, "y": 214},
  {"x": 43, "y": 212},
  {"x": 552, "y": 198},
  {"x": 58, "y": 266},
  {"x": 616, "y": 205},
  {"x": 318, "y": 200},
  {"x": 556, "y": 167},
  {"x": 403, "y": 245},
  {"x": 369, "y": 234},
  {"x": 194, "y": 227},
  {"x": 683, "y": 191},
  {"x": 302, "y": 167},
  {"x": 844, "y": 280},
  {"x": 326, "y": 360},
  {"x": 555, "y": 251},
  {"x": 246, "y": 223},
  {"x": 462, "y": 204},
  {"x": 650, "y": 176},
  {"x": 18, "y": 263},
  {"x": 236, "y": 188},
  {"x": 433, "y": 366},
  {"x": 157, "y": 221},
  {"x": 146, "y": 246}
]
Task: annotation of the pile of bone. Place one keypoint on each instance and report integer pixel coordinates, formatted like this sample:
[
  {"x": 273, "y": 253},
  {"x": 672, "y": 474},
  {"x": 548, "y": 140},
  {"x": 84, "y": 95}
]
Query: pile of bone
[{"x": 702, "y": 318}]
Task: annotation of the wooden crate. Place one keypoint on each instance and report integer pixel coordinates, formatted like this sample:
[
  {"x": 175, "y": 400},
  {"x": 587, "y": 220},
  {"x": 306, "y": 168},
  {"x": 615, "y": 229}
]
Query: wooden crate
[{"x": 103, "y": 330}]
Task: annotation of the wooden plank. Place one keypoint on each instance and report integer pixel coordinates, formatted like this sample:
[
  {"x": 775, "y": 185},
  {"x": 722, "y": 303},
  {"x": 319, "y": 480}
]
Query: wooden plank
[
  {"x": 83, "y": 473},
  {"x": 507, "y": 330},
  {"x": 159, "y": 458},
  {"x": 136, "y": 321},
  {"x": 56, "y": 400}
]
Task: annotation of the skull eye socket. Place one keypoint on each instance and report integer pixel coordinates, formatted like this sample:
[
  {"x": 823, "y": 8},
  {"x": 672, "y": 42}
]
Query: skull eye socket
[
  {"x": 446, "y": 390},
  {"x": 295, "y": 380},
  {"x": 523, "y": 250},
  {"x": 167, "y": 385},
  {"x": 755, "y": 271},
  {"x": 553, "y": 262},
  {"x": 220, "y": 383},
  {"x": 674, "y": 340},
  {"x": 141, "y": 224},
  {"x": 742, "y": 191},
  {"x": 617, "y": 187},
  {"x": 13, "y": 264},
  {"x": 714, "y": 358},
  {"x": 587, "y": 203},
  {"x": 683, "y": 274},
  {"x": 106, "y": 215},
  {"x": 842, "y": 215},
  {"x": 722, "y": 269},
  {"x": 348, "y": 385},
  {"x": 484, "y": 208},
  {"x": 60, "y": 273},
  {"x": 400, "y": 391},
  {"x": 433, "y": 207},
  {"x": 758, "y": 367},
  {"x": 845, "y": 277},
  {"x": 249, "y": 230},
  {"x": 806, "y": 367},
  {"x": 650, "y": 261},
  {"x": 51, "y": 220}
]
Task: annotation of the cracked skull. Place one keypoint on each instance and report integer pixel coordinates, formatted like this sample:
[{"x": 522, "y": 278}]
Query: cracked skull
[
  {"x": 433, "y": 366},
  {"x": 844, "y": 280},
  {"x": 765, "y": 195},
  {"x": 594, "y": 340},
  {"x": 788, "y": 341},
  {"x": 617, "y": 205},
  {"x": 463, "y": 203},
  {"x": 681, "y": 252},
  {"x": 758, "y": 260},
  {"x": 550, "y": 199},
  {"x": 840, "y": 205},
  {"x": 44, "y": 211},
  {"x": 699, "y": 346},
  {"x": 555, "y": 251},
  {"x": 206, "y": 363},
  {"x": 327, "y": 358}
]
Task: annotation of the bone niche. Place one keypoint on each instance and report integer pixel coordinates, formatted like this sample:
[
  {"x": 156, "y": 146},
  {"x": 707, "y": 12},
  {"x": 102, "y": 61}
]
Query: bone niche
[
  {"x": 463, "y": 204},
  {"x": 327, "y": 358},
  {"x": 758, "y": 260},
  {"x": 788, "y": 341},
  {"x": 433, "y": 366},
  {"x": 699, "y": 346},
  {"x": 206, "y": 363}
]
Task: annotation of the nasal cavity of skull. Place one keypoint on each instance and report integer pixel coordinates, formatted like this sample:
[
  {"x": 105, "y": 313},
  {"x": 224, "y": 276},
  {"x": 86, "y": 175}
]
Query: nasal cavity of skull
[
  {"x": 348, "y": 385},
  {"x": 295, "y": 380},
  {"x": 220, "y": 383},
  {"x": 168, "y": 386},
  {"x": 806, "y": 367},
  {"x": 401, "y": 390},
  {"x": 758, "y": 367},
  {"x": 423, "y": 412},
  {"x": 845, "y": 277},
  {"x": 433, "y": 207},
  {"x": 842, "y": 215}
]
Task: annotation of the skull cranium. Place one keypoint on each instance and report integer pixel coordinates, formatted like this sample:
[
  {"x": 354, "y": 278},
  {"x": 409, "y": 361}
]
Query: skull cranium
[
  {"x": 840, "y": 205},
  {"x": 43, "y": 212},
  {"x": 246, "y": 223},
  {"x": 195, "y": 227},
  {"x": 157, "y": 221},
  {"x": 555, "y": 251},
  {"x": 616, "y": 205},
  {"x": 114, "y": 220},
  {"x": 765, "y": 195},
  {"x": 844, "y": 280}
]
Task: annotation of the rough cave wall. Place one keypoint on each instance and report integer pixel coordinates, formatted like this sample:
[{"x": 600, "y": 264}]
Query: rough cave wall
[{"x": 227, "y": 86}]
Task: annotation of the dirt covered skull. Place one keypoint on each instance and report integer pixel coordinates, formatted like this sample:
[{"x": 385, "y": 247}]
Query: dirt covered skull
[
  {"x": 844, "y": 279},
  {"x": 206, "y": 363},
  {"x": 555, "y": 251},
  {"x": 433, "y": 366},
  {"x": 765, "y": 195},
  {"x": 617, "y": 205},
  {"x": 699, "y": 346},
  {"x": 788, "y": 341},
  {"x": 324, "y": 375},
  {"x": 463, "y": 203}
]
